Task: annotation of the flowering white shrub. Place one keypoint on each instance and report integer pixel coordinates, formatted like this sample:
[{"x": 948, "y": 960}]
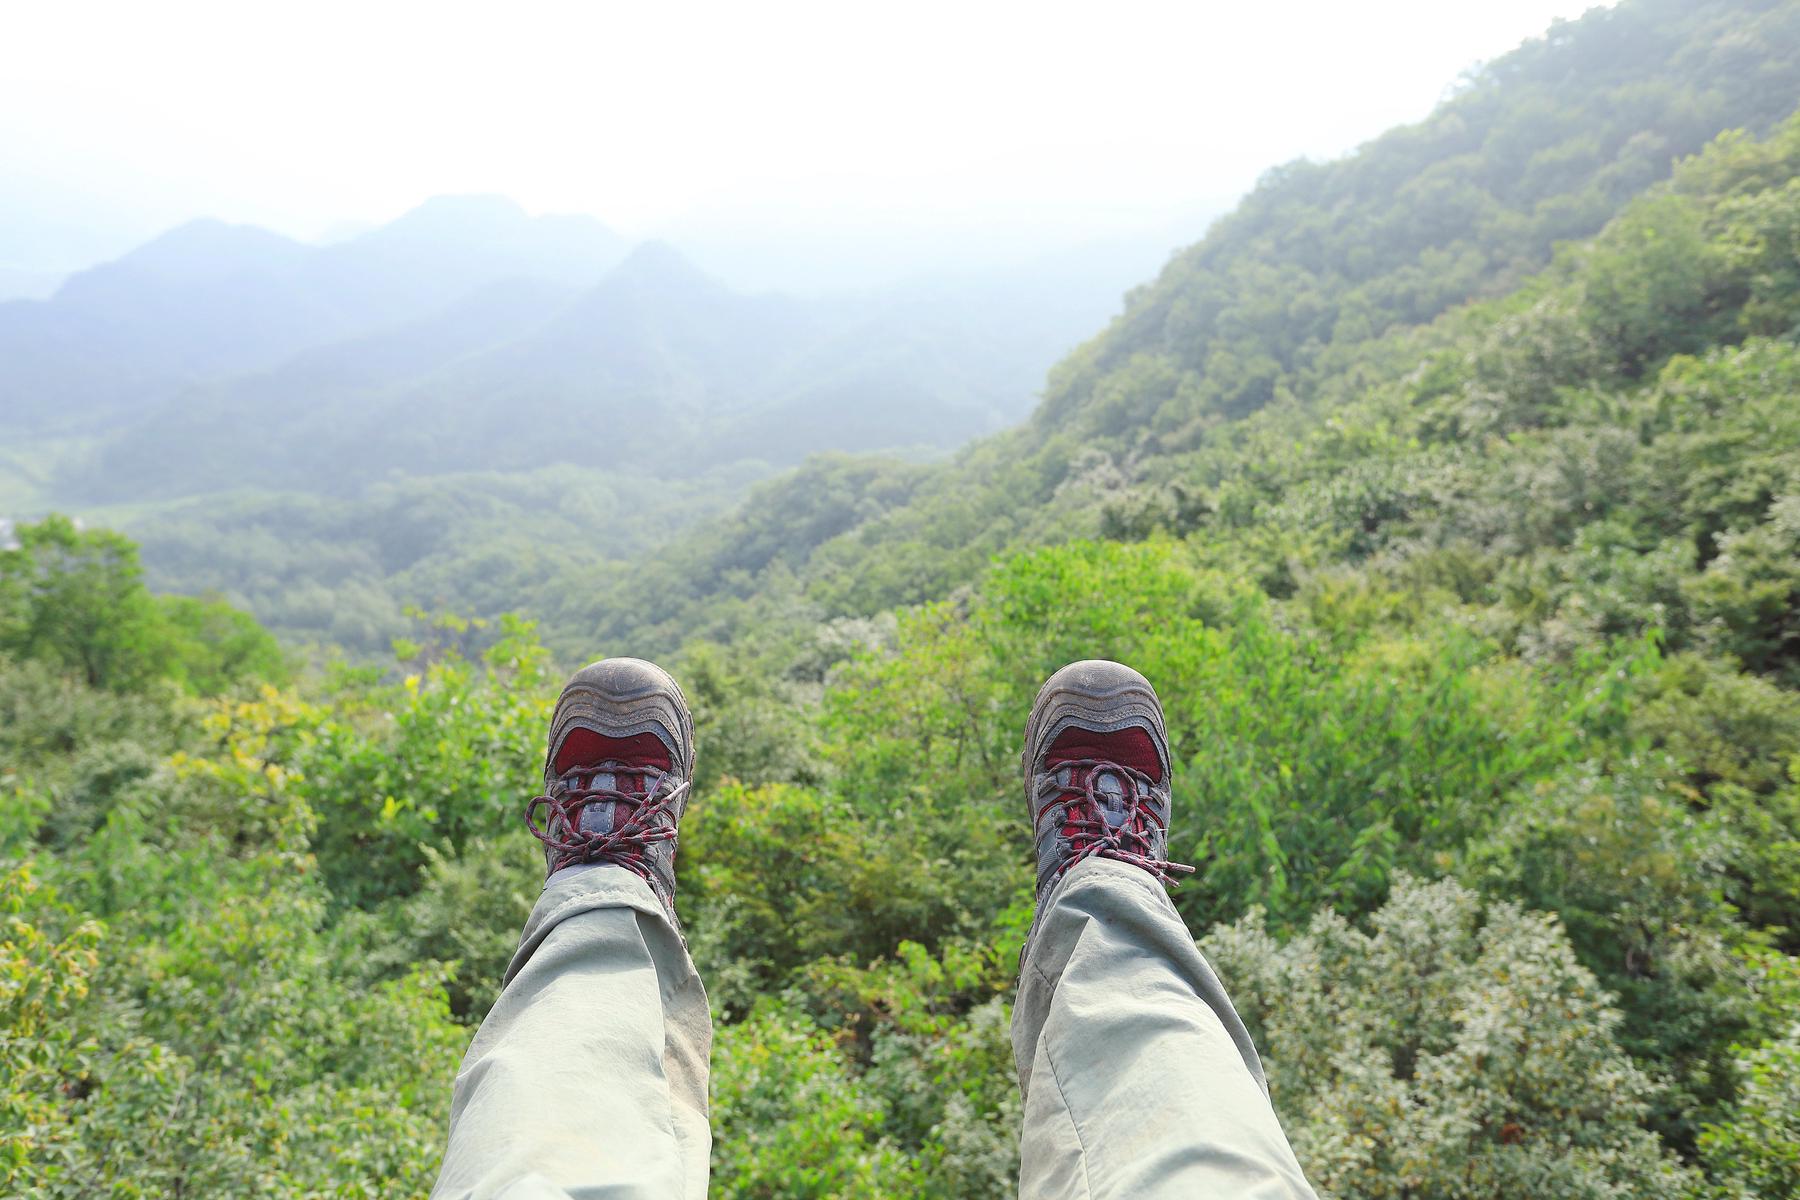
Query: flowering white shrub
[{"x": 1456, "y": 1049}]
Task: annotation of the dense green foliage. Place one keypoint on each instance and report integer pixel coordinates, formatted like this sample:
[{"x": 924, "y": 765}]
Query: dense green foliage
[
  {"x": 342, "y": 573},
  {"x": 1468, "y": 569},
  {"x": 1447, "y": 1052},
  {"x": 75, "y": 600}
]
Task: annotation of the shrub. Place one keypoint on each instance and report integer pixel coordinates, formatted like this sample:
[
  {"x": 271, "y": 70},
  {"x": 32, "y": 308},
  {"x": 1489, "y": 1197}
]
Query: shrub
[
  {"x": 1455, "y": 1049},
  {"x": 790, "y": 1120},
  {"x": 1756, "y": 1151}
]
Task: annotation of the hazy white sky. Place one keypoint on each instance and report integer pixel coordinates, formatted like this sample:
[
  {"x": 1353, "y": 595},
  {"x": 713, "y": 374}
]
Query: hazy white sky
[{"x": 118, "y": 119}]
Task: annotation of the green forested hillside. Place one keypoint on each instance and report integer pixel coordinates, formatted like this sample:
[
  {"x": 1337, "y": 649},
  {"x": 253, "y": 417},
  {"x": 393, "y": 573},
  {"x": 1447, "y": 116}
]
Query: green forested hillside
[
  {"x": 1299, "y": 298},
  {"x": 1478, "y": 629}
]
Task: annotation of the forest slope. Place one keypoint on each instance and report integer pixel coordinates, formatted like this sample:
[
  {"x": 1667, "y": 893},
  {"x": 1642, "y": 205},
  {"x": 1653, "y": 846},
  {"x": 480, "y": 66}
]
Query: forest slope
[{"x": 1290, "y": 301}]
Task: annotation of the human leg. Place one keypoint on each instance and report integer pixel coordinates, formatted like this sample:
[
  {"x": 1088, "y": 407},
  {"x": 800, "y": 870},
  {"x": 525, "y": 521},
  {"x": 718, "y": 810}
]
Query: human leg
[
  {"x": 589, "y": 1076},
  {"x": 1139, "y": 1078}
]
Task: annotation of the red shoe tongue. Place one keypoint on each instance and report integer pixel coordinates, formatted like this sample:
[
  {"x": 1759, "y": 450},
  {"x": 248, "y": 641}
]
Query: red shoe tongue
[
  {"x": 1129, "y": 748},
  {"x": 585, "y": 748}
]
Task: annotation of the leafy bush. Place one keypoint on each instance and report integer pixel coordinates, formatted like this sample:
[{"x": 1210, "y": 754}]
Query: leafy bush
[
  {"x": 1757, "y": 1151},
  {"x": 75, "y": 599},
  {"x": 230, "y": 1057},
  {"x": 442, "y": 758},
  {"x": 1455, "y": 1049},
  {"x": 790, "y": 1120}
]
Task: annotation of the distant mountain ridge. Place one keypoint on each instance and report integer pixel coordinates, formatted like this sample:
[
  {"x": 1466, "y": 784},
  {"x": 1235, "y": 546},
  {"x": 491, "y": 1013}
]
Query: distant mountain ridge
[
  {"x": 208, "y": 299},
  {"x": 330, "y": 433},
  {"x": 656, "y": 360},
  {"x": 468, "y": 336}
]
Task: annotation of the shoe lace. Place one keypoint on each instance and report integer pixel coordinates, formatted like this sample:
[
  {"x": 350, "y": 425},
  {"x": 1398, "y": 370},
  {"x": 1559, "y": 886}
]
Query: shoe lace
[
  {"x": 1091, "y": 835},
  {"x": 627, "y": 842}
]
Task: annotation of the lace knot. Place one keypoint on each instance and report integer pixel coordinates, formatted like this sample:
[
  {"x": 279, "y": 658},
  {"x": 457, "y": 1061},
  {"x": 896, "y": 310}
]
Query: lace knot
[
  {"x": 1121, "y": 825},
  {"x": 650, "y": 816}
]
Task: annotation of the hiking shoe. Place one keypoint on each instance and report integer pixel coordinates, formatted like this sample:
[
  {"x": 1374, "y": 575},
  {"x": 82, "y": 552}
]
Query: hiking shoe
[
  {"x": 616, "y": 773},
  {"x": 1096, "y": 763}
]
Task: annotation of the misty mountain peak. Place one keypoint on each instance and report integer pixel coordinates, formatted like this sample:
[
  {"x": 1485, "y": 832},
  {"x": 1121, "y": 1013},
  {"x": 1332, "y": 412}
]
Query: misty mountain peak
[
  {"x": 490, "y": 237},
  {"x": 201, "y": 250},
  {"x": 656, "y": 267}
]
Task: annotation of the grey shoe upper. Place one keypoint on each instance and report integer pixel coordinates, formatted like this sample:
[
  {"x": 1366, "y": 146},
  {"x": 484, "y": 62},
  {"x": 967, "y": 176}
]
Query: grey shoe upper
[
  {"x": 615, "y": 812},
  {"x": 621, "y": 697},
  {"x": 1096, "y": 807}
]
